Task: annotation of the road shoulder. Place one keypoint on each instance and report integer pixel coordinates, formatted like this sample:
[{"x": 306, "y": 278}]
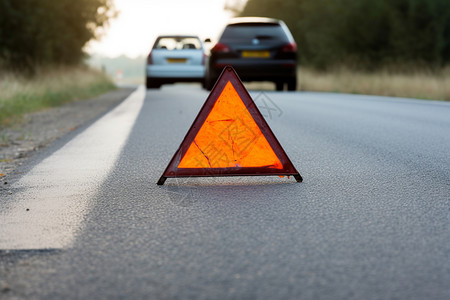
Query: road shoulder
[{"x": 38, "y": 130}]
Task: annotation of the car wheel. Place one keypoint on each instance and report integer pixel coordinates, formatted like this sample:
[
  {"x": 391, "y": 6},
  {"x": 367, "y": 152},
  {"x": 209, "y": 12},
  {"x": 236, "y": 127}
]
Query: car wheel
[
  {"x": 292, "y": 84},
  {"x": 152, "y": 83},
  {"x": 209, "y": 83},
  {"x": 204, "y": 84},
  {"x": 279, "y": 85}
]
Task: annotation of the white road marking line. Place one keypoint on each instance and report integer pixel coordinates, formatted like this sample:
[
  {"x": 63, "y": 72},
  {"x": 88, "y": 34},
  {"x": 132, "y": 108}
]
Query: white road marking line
[{"x": 53, "y": 198}]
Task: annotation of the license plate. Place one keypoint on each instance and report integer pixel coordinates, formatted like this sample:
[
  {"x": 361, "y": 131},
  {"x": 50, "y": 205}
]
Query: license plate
[
  {"x": 256, "y": 54},
  {"x": 176, "y": 60}
]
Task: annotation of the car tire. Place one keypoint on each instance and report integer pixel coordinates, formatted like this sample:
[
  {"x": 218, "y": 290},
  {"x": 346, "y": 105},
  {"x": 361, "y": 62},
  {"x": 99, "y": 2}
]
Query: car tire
[
  {"x": 152, "y": 83},
  {"x": 292, "y": 84},
  {"x": 279, "y": 85},
  {"x": 209, "y": 83}
]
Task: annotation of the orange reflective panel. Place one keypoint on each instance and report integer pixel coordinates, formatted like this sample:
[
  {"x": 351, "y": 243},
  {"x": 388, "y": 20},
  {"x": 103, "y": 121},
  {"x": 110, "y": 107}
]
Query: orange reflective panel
[{"x": 230, "y": 137}]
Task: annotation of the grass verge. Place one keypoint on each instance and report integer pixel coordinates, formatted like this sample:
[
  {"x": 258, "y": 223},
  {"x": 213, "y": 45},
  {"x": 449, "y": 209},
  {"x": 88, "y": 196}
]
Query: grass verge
[
  {"x": 415, "y": 84},
  {"x": 49, "y": 87}
]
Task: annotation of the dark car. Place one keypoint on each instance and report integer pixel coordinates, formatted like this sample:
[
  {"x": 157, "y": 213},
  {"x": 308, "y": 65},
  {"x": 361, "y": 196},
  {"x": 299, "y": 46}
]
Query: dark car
[{"x": 259, "y": 49}]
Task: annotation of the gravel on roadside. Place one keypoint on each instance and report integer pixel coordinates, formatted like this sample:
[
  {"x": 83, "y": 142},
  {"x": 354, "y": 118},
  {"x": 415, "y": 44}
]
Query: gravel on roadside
[{"x": 39, "y": 129}]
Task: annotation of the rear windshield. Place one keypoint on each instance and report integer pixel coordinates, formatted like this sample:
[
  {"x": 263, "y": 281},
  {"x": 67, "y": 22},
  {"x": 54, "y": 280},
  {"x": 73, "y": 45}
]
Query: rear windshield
[
  {"x": 254, "y": 30},
  {"x": 178, "y": 43}
]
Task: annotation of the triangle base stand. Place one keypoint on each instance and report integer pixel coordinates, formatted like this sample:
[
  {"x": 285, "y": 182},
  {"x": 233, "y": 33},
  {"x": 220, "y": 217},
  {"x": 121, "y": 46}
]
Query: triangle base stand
[{"x": 163, "y": 178}]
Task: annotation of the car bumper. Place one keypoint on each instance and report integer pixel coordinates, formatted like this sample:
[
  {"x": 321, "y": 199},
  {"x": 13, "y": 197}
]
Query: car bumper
[
  {"x": 257, "y": 69},
  {"x": 178, "y": 72}
]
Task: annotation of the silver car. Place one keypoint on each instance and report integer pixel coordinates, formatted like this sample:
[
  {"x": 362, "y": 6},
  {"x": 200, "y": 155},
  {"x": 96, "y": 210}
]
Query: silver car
[{"x": 179, "y": 58}]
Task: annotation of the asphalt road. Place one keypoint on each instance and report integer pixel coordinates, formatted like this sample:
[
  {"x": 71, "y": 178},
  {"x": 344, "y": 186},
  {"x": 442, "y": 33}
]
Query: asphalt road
[{"x": 369, "y": 221}]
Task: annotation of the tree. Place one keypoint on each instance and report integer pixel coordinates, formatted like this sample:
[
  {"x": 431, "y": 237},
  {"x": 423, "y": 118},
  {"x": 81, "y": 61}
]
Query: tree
[
  {"x": 49, "y": 32},
  {"x": 364, "y": 33}
]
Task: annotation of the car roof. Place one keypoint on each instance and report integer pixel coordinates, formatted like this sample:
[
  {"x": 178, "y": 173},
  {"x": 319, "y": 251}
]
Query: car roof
[
  {"x": 177, "y": 36},
  {"x": 244, "y": 20}
]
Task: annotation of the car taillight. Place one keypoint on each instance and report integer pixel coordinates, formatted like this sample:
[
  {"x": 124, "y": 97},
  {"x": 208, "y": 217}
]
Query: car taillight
[
  {"x": 204, "y": 59},
  {"x": 149, "y": 59},
  {"x": 291, "y": 47},
  {"x": 219, "y": 47}
]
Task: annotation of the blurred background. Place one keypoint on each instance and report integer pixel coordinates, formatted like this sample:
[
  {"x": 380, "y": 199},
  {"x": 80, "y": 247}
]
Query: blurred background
[
  {"x": 125, "y": 44},
  {"x": 386, "y": 47},
  {"x": 362, "y": 35}
]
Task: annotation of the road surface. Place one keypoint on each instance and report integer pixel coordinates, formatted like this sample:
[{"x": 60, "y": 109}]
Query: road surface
[{"x": 86, "y": 220}]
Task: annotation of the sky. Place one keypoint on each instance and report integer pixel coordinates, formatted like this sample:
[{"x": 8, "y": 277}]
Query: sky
[{"x": 140, "y": 21}]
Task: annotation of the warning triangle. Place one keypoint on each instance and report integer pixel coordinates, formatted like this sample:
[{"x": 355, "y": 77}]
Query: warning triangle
[{"x": 229, "y": 137}]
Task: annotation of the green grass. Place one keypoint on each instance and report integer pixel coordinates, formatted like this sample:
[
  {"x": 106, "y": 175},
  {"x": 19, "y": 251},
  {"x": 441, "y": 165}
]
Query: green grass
[{"x": 49, "y": 87}]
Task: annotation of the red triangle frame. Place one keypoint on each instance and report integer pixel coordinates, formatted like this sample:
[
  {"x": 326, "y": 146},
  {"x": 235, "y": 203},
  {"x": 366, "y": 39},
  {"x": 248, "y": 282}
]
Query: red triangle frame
[{"x": 228, "y": 74}]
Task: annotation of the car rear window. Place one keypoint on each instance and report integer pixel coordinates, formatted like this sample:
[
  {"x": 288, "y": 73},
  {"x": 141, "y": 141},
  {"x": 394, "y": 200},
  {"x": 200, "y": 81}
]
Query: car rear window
[
  {"x": 178, "y": 43},
  {"x": 251, "y": 31}
]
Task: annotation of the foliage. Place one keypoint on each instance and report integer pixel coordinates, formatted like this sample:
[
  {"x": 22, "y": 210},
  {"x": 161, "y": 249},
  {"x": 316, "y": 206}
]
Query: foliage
[
  {"x": 49, "y": 88},
  {"x": 364, "y": 33},
  {"x": 39, "y": 32}
]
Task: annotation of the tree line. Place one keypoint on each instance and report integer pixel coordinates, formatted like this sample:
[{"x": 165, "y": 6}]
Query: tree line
[
  {"x": 49, "y": 32},
  {"x": 364, "y": 33}
]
